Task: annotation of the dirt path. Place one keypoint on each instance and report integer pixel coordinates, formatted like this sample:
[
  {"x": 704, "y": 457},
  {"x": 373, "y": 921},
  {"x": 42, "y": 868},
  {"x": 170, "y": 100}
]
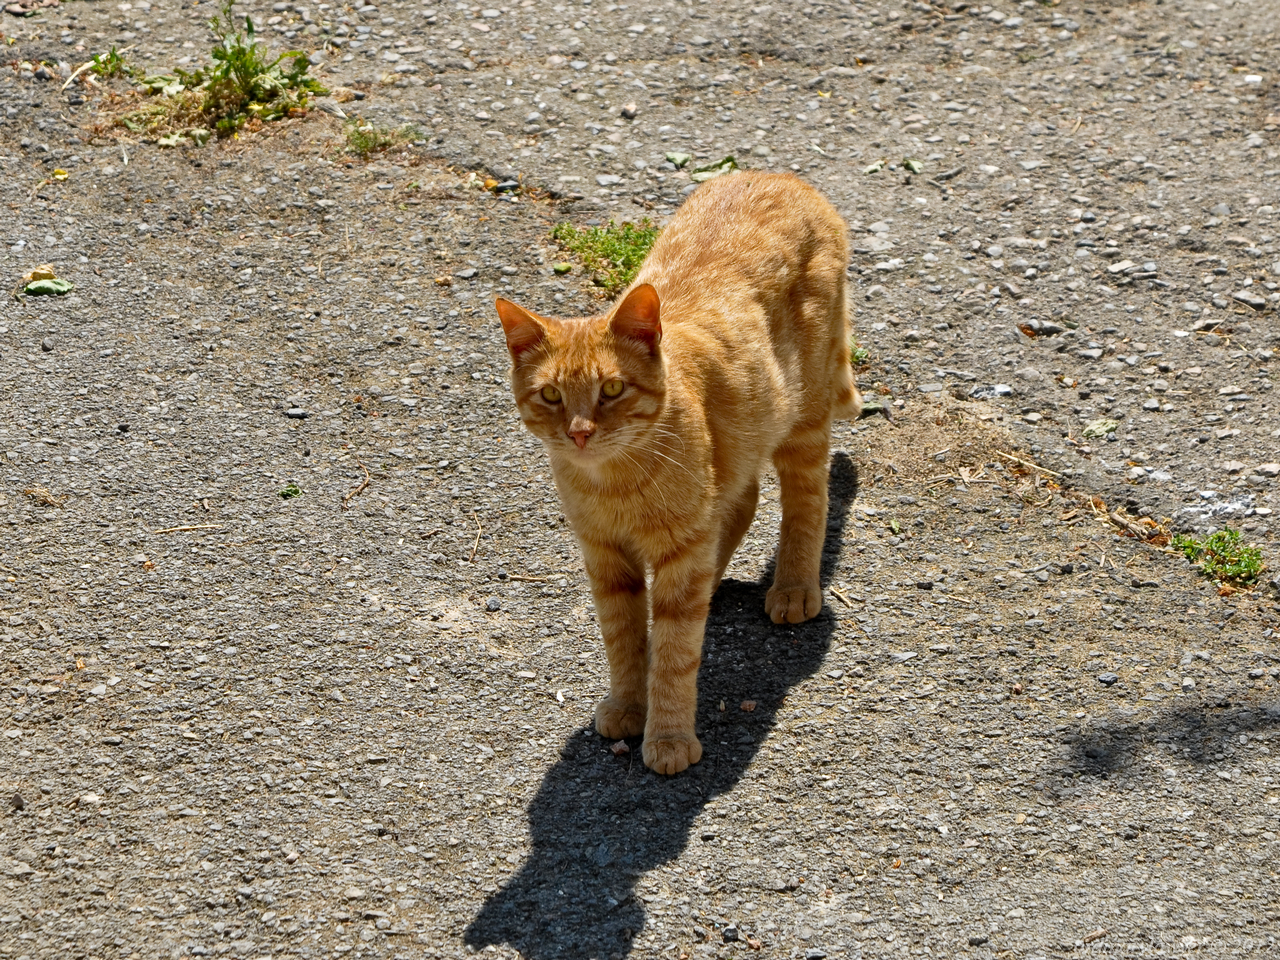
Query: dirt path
[{"x": 237, "y": 722}]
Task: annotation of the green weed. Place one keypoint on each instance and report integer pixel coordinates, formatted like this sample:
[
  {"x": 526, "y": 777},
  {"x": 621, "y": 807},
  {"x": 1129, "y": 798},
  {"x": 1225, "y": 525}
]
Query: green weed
[
  {"x": 241, "y": 85},
  {"x": 613, "y": 254},
  {"x": 1222, "y": 557},
  {"x": 112, "y": 64},
  {"x": 365, "y": 139},
  {"x": 858, "y": 354},
  {"x": 243, "y": 82},
  {"x": 290, "y": 491}
]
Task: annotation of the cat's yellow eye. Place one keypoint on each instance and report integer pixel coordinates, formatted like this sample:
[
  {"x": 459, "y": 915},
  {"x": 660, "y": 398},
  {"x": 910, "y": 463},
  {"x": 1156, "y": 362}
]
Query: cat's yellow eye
[
  {"x": 550, "y": 394},
  {"x": 612, "y": 388}
]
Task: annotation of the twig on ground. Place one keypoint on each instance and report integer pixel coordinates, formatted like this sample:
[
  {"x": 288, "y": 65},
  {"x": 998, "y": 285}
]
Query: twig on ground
[
  {"x": 346, "y": 501},
  {"x": 1125, "y": 523},
  {"x": 475, "y": 546},
  {"x": 1028, "y": 463},
  {"x": 512, "y": 576},
  {"x": 841, "y": 597},
  {"x": 79, "y": 70},
  {"x": 192, "y": 526},
  {"x": 44, "y": 497}
]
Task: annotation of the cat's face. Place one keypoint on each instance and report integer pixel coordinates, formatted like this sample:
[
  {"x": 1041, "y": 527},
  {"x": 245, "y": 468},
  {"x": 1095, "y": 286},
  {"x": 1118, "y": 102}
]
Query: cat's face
[{"x": 590, "y": 389}]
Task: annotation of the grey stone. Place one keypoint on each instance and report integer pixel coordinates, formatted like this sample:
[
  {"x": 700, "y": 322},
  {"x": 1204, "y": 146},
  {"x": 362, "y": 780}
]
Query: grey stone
[{"x": 991, "y": 391}]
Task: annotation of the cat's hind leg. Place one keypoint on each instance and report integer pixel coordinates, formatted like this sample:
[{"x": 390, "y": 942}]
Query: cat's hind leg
[
  {"x": 735, "y": 528},
  {"x": 846, "y": 401},
  {"x": 801, "y": 462},
  {"x": 622, "y": 607}
]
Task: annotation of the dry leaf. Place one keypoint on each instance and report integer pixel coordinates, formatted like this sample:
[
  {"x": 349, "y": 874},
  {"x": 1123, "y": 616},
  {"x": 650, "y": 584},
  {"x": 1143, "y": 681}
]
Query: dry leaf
[{"x": 43, "y": 272}]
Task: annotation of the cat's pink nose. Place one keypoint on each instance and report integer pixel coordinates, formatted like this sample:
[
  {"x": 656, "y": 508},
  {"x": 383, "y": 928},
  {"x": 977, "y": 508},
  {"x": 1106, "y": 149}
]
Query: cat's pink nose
[{"x": 580, "y": 430}]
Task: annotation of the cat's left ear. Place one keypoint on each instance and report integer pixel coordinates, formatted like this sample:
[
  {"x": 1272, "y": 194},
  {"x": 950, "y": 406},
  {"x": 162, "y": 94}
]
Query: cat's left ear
[
  {"x": 638, "y": 317},
  {"x": 524, "y": 331}
]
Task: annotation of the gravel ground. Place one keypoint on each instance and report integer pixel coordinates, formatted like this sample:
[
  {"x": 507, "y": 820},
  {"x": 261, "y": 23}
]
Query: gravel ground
[{"x": 236, "y": 723}]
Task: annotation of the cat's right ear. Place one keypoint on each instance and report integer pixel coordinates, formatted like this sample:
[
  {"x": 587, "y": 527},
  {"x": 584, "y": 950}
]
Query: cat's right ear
[
  {"x": 524, "y": 331},
  {"x": 638, "y": 317}
]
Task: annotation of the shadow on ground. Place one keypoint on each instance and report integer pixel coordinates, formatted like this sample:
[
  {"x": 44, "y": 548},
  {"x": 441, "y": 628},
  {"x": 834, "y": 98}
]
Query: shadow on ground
[
  {"x": 599, "y": 822},
  {"x": 1197, "y": 732}
]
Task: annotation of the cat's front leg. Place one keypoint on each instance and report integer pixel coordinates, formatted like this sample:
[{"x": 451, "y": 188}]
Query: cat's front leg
[
  {"x": 681, "y": 599},
  {"x": 622, "y": 607}
]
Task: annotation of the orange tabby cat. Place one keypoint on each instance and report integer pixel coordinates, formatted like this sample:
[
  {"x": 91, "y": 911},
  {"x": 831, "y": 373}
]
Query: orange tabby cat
[{"x": 731, "y": 348}]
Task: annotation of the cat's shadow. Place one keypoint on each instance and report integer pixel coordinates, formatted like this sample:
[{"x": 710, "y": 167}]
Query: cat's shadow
[{"x": 600, "y": 822}]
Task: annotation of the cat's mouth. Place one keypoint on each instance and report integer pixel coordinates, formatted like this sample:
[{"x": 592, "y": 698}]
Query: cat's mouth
[{"x": 592, "y": 453}]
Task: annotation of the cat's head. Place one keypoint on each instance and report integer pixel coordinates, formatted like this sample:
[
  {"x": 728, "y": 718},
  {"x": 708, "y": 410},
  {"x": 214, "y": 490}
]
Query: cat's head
[{"x": 589, "y": 389}]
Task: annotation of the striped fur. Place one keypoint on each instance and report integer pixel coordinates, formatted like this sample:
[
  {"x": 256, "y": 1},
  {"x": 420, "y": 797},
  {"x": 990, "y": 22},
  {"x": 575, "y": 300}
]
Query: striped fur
[{"x": 732, "y": 348}]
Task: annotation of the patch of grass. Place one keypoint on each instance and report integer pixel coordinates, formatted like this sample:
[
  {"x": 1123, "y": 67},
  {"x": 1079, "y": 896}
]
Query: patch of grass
[
  {"x": 168, "y": 115},
  {"x": 859, "y": 355},
  {"x": 365, "y": 139},
  {"x": 613, "y": 254},
  {"x": 290, "y": 491},
  {"x": 112, "y": 64},
  {"x": 242, "y": 84},
  {"x": 1222, "y": 557}
]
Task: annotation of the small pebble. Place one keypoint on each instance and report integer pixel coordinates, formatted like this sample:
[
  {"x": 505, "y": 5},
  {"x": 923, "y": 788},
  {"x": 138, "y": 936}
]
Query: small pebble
[{"x": 1108, "y": 679}]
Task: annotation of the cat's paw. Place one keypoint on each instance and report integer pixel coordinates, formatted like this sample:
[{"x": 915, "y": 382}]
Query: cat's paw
[
  {"x": 618, "y": 719},
  {"x": 793, "y": 604},
  {"x": 671, "y": 753}
]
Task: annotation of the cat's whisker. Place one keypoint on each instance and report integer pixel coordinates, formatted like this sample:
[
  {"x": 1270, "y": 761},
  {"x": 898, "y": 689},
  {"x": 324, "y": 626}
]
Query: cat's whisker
[
  {"x": 670, "y": 434},
  {"x": 656, "y": 488},
  {"x": 650, "y": 449}
]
